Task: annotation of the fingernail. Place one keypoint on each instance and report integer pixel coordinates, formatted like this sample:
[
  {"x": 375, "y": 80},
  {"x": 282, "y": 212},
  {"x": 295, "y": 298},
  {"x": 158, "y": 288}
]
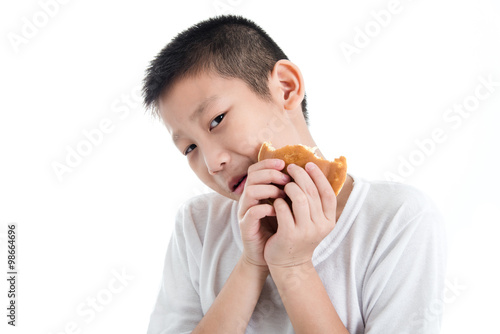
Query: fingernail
[{"x": 310, "y": 165}]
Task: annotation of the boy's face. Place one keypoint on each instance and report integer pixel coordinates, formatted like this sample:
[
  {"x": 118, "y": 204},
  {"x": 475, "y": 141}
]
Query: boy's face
[{"x": 220, "y": 124}]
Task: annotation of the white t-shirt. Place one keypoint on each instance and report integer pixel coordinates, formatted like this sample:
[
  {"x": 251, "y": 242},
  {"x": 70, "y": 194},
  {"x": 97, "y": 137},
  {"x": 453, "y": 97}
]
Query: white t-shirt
[{"x": 383, "y": 265}]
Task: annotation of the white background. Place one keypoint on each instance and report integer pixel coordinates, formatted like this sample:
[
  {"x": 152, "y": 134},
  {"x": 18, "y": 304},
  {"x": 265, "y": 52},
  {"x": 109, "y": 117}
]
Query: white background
[{"x": 114, "y": 211}]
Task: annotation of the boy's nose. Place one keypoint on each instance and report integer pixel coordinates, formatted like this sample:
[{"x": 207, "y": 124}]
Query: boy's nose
[
  {"x": 213, "y": 171},
  {"x": 216, "y": 160}
]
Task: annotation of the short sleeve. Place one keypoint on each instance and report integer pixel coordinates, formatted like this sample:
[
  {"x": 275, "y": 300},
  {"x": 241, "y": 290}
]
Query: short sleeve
[
  {"x": 178, "y": 308},
  {"x": 403, "y": 288}
]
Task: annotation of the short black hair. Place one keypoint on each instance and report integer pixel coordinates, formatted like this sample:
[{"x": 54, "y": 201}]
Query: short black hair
[{"x": 229, "y": 45}]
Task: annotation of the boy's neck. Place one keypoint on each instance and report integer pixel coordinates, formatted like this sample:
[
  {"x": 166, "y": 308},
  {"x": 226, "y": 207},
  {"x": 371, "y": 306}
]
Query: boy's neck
[{"x": 343, "y": 196}]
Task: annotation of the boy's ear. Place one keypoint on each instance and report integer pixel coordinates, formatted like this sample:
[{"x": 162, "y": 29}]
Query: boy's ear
[{"x": 287, "y": 84}]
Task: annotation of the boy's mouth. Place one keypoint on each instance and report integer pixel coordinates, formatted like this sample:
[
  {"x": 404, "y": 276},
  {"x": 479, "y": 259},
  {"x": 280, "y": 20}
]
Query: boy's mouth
[{"x": 239, "y": 185}]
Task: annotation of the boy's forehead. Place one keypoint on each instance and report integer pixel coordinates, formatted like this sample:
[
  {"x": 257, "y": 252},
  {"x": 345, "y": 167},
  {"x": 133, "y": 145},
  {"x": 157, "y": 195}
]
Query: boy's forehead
[
  {"x": 183, "y": 92},
  {"x": 195, "y": 93},
  {"x": 198, "y": 86}
]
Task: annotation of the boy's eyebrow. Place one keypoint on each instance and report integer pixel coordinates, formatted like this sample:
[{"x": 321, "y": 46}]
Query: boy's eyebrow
[
  {"x": 197, "y": 113},
  {"x": 203, "y": 105}
]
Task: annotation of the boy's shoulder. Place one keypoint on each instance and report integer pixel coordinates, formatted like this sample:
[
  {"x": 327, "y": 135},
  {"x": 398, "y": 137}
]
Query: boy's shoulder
[
  {"x": 398, "y": 192},
  {"x": 391, "y": 198},
  {"x": 204, "y": 203},
  {"x": 206, "y": 211},
  {"x": 395, "y": 190}
]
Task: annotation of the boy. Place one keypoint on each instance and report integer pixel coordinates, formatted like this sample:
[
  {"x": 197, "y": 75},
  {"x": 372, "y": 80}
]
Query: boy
[{"x": 371, "y": 260}]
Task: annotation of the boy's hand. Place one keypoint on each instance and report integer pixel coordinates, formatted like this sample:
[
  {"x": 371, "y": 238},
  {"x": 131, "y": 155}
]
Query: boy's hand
[
  {"x": 314, "y": 216},
  {"x": 261, "y": 182}
]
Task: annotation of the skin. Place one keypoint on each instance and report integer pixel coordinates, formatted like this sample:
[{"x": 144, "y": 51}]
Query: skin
[{"x": 223, "y": 144}]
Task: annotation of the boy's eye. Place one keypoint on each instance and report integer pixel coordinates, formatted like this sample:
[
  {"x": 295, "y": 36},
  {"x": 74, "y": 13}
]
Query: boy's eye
[
  {"x": 189, "y": 149},
  {"x": 216, "y": 121}
]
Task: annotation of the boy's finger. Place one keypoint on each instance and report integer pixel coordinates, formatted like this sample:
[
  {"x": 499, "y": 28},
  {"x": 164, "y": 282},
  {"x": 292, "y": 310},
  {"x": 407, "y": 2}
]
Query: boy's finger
[
  {"x": 284, "y": 216},
  {"x": 253, "y": 194},
  {"x": 326, "y": 193},
  {"x": 309, "y": 190},
  {"x": 277, "y": 164},
  {"x": 300, "y": 204},
  {"x": 257, "y": 212},
  {"x": 266, "y": 176}
]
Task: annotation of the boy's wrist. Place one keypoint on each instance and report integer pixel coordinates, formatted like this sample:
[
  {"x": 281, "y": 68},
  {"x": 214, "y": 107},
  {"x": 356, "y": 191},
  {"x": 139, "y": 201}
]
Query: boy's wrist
[
  {"x": 260, "y": 270},
  {"x": 297, "y": 271}
]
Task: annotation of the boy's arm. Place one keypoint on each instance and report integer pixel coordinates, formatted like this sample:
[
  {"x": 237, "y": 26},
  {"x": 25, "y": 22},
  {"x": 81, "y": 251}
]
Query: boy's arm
[
  {"x": 234, "y": 305},
  {"x": 403, "y": 290},
  {"x": 306, "y": 301},
  {"x": 178, "y": 309},
  {"x": 288, "y": 253}
]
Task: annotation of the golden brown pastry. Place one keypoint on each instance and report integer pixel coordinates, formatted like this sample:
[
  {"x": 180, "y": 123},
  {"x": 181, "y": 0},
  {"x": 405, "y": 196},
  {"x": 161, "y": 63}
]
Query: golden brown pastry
[{"x": 335, "y": 171}]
